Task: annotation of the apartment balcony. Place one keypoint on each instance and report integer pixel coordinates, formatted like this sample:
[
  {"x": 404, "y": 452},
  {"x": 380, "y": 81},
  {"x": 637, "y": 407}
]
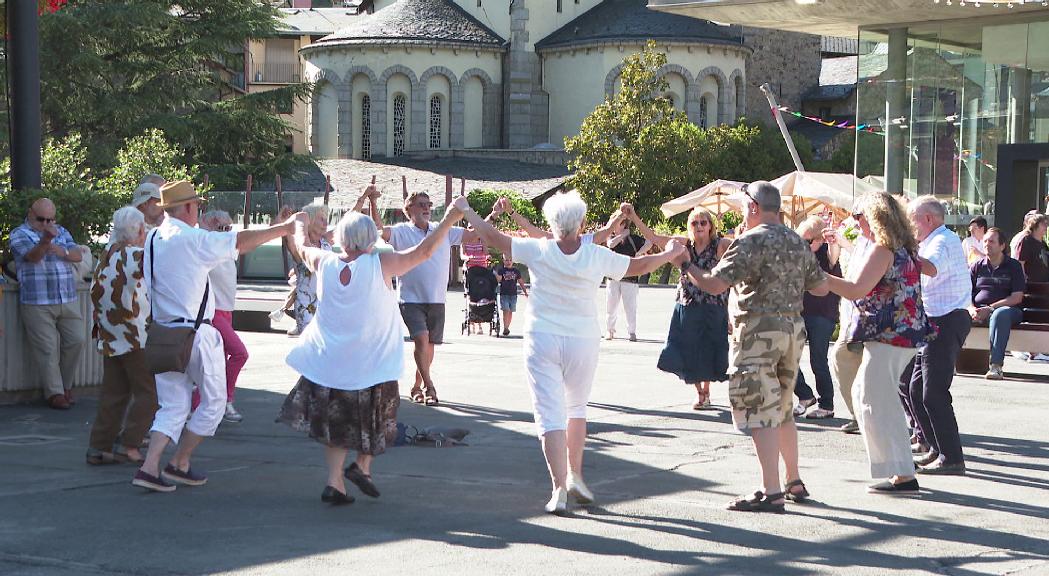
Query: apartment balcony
[{"x": 275, "y": 73}]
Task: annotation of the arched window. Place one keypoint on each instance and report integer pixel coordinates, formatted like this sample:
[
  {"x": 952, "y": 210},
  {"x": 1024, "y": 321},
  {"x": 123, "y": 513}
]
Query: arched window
[
  {"x": 703, "y": 113},
  {"x": 398, "y": 124},
  {"x": 366, "y": 127},
  {"x": 435, "y": 121}
]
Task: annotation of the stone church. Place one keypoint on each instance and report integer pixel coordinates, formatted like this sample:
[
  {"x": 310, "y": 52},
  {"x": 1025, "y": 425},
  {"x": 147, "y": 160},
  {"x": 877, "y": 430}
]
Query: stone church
[{"x": 413, "y": 75}]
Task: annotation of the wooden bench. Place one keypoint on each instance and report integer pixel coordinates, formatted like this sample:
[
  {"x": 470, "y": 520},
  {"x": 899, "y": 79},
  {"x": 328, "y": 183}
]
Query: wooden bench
[{"x": 1031, "y": 335}]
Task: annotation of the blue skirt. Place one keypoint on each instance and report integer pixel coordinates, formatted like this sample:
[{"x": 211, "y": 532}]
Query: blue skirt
[{"x": 697, "y": 345}]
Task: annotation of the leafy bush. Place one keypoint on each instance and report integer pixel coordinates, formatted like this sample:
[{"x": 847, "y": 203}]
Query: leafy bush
[
  {"x": 148, "y": 153},
  {"x": 482, "y": 201}
]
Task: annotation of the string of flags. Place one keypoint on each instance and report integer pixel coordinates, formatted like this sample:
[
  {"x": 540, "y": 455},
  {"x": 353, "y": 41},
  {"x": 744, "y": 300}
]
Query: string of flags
[{"x": 843, "y": 125}]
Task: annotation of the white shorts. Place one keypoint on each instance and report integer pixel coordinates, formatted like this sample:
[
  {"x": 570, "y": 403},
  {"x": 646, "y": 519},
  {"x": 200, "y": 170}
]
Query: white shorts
[
  {"x": 207, "y": 371},
  {"x": 560, "y": 372}
]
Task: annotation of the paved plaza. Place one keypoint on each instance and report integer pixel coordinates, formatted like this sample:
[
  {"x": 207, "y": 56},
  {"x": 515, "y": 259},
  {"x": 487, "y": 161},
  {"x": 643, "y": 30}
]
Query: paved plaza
[{"x": 661, "y": 471}]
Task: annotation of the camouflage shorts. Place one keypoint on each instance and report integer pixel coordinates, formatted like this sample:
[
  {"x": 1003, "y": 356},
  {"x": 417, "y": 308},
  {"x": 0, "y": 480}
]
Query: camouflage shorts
[{"x": 764, "y": 354}]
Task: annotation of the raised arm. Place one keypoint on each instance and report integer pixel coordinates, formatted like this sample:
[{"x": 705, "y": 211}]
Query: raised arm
[
  {"x": 299, "y": 243},
  {"x": 601, "y": 234},
  {"x": 492, "y": 237},
  {"x": 523, "y": 223},
  {"x": 398, "y": 263},
  {"x": 644, "y": 264},
  {"x": 656, "y": 239},
  {"x": 248, "y": 240}
]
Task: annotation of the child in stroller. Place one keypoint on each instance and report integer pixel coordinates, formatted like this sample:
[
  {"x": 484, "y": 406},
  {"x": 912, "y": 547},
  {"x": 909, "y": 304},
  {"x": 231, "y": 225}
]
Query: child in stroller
[{"x": 481, "y": 304}]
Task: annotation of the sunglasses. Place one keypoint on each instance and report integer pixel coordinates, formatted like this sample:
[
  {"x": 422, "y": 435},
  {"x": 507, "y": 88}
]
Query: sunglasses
[
  {"x": 225, "y": 228},
  {"x": 857, "y": 215},
  {"x": 702, "y": 223},
  {"x": 43, "y": 220},
  {"x": 749, "y": 195}
]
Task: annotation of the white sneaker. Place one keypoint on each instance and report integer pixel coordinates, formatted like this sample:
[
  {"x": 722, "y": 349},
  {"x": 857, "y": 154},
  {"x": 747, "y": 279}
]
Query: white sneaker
[
  {"x": 803, "y": 406},
  {"x": 577, "y": 489},
  {"x": 1025, "y": 356},
  {"x": 277, "y": 315},
  {"x": 231, "y": 414},
  {"x": 995, "y": 372},
  {"x": 558, "y": 503},
  {"x": 1039, "y": 358}
]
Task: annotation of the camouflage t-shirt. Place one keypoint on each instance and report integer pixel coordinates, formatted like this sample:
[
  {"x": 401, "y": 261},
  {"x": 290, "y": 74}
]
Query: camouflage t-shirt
[{"x": 770, "y": 267}]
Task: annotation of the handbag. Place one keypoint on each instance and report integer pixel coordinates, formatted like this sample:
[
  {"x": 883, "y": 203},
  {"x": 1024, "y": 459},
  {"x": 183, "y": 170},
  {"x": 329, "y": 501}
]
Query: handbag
[{"x": 168, "y": 348}]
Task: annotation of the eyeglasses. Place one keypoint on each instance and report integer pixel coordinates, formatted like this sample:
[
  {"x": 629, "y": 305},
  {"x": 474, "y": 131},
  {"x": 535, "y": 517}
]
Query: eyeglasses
[
  {"x": 43, "y": 220},
  {"x": 701, "y": 223},
  {"x": 747, "y": 192},
  {"x": 225, "y": 228}
]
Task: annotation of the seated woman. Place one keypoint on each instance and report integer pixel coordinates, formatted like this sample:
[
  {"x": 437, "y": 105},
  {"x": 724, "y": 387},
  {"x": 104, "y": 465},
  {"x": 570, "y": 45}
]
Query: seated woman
[
  {"x": 562, "y": 334},
  {"x": 350, "y": 360}
]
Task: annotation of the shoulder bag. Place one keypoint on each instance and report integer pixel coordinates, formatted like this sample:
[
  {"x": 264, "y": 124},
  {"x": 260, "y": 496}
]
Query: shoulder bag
[{"x": 168, "y": 348}]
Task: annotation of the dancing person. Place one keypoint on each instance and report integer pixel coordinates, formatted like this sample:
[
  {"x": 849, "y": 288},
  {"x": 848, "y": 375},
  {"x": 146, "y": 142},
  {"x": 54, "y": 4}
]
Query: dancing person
[
  {"x": 562, "y": 333},
  {"x": 599, "y": 236},
  {"x": 820, "y": 314},
  {"x": 628, "y": 244},
  {"x": 770, "y": 267},
  {"x": 973, "y": 243},
  {"x": 890, "y": 323},
  {"x": 305, "y": 304},
  {"x": 178, "y": 258},
  {"x": 846, "y": 356},
  {"x": 998, "y": 286},
  {"x": 946, "y": 293},
  {"x": 223, "y": 280},
  {"x": 697, "y": 343},
  {"x": 120, "y": 304},
  {"x": 352, "y": 354},
  {"x": 509, "y": 278}
]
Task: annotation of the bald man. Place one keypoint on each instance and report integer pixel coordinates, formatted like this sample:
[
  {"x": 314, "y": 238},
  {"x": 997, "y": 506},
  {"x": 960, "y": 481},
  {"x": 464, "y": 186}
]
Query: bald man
[{"x": 45, "y": 259}]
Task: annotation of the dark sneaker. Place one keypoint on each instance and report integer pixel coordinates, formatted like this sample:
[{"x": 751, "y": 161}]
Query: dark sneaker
[
  {"x": 189, "y": 477},
  {"x": 361, "y": 480},
  {"x": 941, "y": 469},
  {"x": 150, "y": 482},
  {"x": 850, "y": 427},
  {"x": 908, "y": 488}
]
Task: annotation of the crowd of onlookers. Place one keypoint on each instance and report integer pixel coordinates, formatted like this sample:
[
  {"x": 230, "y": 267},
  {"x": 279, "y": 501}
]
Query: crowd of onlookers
[{"x": 902, "y": 294}]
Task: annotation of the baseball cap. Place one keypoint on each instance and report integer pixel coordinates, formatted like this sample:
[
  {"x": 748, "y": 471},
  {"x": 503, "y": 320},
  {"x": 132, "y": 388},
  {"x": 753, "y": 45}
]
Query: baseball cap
[{"x": 144, "y": 192}]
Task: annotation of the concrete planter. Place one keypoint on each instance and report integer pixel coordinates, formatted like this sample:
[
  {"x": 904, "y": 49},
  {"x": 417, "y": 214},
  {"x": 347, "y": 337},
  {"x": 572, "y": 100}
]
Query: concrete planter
[{"x": 18, "y": 377}]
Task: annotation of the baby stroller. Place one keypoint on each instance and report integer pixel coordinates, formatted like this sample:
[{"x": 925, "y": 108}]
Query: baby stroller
[{"x": 481, "y": 304}]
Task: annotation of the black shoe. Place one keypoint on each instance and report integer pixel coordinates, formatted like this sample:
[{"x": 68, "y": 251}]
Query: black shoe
[
  {"x": 850, "y": 427},
  {"x": 361, "y": 480},
  {"x": 334, "y": 497},
  {"x": 908, "y": 488},
  {"x": 939, "y": 468}
]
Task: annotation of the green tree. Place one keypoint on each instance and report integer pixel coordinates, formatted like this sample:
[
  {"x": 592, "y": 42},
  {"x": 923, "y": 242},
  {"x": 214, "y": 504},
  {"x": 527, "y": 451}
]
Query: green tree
[
  {"x": 112, "y": 69},
  {"x": 635, "y": 147},
  {"x": 148, "y": 153},
  {"x": 482, "y": 200}
]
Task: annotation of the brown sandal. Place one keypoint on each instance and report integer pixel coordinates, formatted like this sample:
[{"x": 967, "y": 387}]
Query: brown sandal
[
  {"x": 417, "y": 395},
  {"x": 97, "y": 457},
  {"x": 430, "y": 396}
]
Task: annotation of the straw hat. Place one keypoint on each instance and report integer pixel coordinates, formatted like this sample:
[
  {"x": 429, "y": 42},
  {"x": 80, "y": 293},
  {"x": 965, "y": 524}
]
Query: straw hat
[{"x": 176, "y": 193}]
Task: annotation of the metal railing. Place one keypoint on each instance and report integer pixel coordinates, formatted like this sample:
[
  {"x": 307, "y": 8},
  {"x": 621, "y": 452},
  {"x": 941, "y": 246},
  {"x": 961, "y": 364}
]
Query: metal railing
[{"x": 276, "y": 72}]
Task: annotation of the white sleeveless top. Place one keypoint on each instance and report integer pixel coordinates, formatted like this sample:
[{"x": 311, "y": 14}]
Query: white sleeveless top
[{"x": 355, "y": 340}]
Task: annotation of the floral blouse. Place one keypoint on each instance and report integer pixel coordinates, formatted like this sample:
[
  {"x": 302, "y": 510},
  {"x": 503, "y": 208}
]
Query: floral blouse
[
  {"x": 306, "y": 291},
  {"x": 893, "y": 313},
  {"x": 687, "y": 292}
]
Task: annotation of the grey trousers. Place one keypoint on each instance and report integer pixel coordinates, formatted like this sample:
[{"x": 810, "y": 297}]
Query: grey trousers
[{"x": 55, "y": 333}]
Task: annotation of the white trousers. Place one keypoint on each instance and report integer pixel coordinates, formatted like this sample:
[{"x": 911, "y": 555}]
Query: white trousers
[
  {"x": 627, "y": 292},
  {"x": 560, "y": 372},
  {"x": 879, "y": 411},
  {"x": 206, "y": 371}
]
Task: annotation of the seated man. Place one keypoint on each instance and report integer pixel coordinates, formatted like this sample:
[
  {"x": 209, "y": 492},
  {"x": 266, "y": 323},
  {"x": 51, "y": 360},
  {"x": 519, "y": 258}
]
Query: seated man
[{"x": 998, "y": 289}]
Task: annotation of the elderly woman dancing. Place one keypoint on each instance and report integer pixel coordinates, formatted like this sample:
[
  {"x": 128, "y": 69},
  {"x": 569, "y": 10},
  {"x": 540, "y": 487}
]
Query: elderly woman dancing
[
  {"x": 890, "y": 323},
  {"x": 120, "y": 310},
  {"x": 352, "y": 354},
  {"x": 305, "y": 291},
  {"x": 562, "y": 334}
]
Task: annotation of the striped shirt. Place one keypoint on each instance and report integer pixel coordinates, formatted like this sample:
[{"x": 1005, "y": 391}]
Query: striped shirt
[
  {"x": 951, "y": 288},
  {"x": 52, "y": 280},
  {"x": 476, "y": 255}
]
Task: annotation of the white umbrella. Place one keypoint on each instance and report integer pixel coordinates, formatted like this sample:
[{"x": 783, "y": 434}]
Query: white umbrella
[
  {"x": 714, "y": 196},
  {"x": 804, "y": 192}
]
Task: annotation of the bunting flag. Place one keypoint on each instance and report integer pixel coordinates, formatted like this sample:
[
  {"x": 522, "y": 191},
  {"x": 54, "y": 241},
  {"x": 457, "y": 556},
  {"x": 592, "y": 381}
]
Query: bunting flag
[{"x": 845, "y": 125}]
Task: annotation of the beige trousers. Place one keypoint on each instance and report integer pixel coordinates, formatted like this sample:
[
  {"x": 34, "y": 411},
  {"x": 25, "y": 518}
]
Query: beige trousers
[
  {"x": 56, "y": 338},
  {"x": 880, "y": 412},
  {"x": 844, "y": 365}
]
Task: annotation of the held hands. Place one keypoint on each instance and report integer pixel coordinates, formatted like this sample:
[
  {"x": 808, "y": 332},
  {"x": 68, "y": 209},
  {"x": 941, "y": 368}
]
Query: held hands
[
  {"x": 291, "y": 220},
  {"x": 676, "y": 252},
  {"x": 285, "y": 213},
  {"x": 459, "y": 207}
]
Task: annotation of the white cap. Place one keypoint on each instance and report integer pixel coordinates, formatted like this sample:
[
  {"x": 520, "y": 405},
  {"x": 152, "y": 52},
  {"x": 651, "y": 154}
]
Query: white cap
[{"x": 144, "y": 192}]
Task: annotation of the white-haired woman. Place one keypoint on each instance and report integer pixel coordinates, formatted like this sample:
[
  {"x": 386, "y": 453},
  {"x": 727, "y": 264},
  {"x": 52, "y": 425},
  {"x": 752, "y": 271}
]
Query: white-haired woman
[
  {"x": 562, "y": 334},
  {"x": 347, "y": 396},
  {"x": 121, "y": 306},
  {"x": 305, "y": 305}
]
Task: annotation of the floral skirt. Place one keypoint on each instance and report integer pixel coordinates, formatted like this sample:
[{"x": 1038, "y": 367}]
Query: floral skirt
[{"x": 359, "y": 420}]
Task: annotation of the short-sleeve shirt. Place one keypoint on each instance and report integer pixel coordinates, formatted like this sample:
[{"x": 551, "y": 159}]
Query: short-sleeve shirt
[
  {"x": 629, "y": 247},
  {"x": 951, "y": 288},
  {"x": 564, "y": 286},
  {"x": 52, "y": 280},
  {"x": 770, "y": 268},
  {"x": 510, "y": 276},
  {"x": 427, "y": 283},
  {"x": 1035, "y": 259},
  {"x": 121, "y": 304},
  {"x": 973, "y": 250},
  {"x": 994, "y": 283},
  {"x": 177, "y": 267}
]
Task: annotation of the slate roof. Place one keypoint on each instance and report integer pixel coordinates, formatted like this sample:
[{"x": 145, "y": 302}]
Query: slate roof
[
  {"x": 632, "y": 20},
  {"x": 416, "y": 22},
  {"x": 315, "y": 21}
]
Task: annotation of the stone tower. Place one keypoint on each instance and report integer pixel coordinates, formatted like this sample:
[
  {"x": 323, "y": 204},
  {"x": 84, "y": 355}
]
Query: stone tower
[{"x": 526, "y": 106}]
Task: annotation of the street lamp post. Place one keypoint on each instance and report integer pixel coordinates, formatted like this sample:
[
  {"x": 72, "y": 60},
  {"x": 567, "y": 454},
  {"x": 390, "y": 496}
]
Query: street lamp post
[{"x": 23, "y": 67}]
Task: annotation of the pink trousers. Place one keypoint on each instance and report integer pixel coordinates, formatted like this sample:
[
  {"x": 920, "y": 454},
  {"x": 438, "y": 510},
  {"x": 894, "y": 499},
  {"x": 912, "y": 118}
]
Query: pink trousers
[{"x": 236, "y": 353}]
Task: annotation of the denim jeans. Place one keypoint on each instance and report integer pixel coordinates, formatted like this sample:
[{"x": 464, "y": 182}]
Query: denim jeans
[
  {"x": 820, "y": 330},
  {"x": 1001, "y": 323}
]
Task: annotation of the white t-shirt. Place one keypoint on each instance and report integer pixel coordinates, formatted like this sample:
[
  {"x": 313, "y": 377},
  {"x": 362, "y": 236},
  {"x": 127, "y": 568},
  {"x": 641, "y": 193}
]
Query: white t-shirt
[
  {"x": 564, "y": 286},
  {"x": 223, "y": 280},
  {"x": 355, "y": 340},
  {"x": 427, "y": 283},
  {"x": 973, "y": 248}
]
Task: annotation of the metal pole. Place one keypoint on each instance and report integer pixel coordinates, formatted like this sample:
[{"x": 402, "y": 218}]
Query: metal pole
[
  {"x": 23, "y": 68},
  {"x": 767, "y": 91},
  {"x": 895, "y": 107}
]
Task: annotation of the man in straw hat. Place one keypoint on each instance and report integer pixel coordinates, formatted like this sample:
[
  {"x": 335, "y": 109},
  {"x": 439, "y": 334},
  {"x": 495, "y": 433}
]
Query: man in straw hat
[
  {"x": 770, "y": 267},
  {"x": 178, "y": 257}
]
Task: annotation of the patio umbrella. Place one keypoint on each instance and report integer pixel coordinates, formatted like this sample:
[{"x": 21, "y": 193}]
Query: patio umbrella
[
  {"x": 714, "y": 196},
  {"x": 806, "y": 192}
]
